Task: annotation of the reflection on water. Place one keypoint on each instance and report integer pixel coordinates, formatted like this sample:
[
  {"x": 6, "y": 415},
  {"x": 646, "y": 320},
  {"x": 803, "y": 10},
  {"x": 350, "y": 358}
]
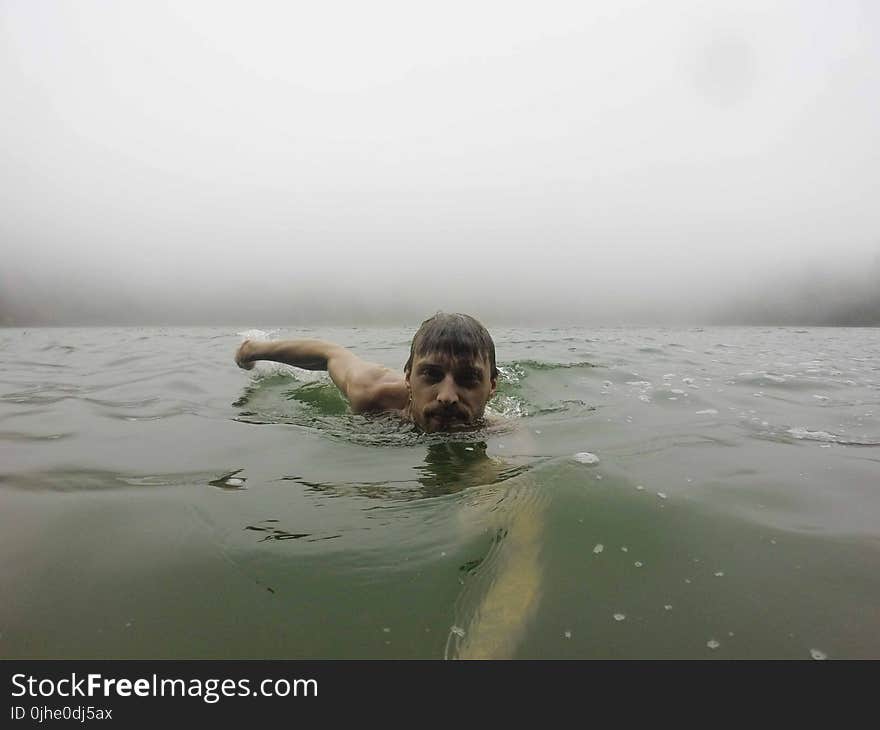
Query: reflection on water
[
  {"x": 270, "y": 531},
  {"x": 448, "y": 468},
  {"x": 452, "y": 466}
]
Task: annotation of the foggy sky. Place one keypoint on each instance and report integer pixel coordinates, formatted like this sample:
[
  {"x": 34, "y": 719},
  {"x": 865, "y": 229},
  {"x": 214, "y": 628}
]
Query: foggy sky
[{"x": 208, "y": 162}]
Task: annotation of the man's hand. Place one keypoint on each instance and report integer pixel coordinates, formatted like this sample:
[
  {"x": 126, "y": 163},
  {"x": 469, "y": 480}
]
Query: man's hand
[{"x": 244, "y": 355}]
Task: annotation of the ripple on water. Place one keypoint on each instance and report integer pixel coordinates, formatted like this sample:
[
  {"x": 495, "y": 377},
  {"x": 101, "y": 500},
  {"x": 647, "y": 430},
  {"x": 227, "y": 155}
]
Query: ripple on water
[
  {"x": 25, "y": 437},
  {"x": 85, "y": 480},
  {"x": 767, "y": 431}
]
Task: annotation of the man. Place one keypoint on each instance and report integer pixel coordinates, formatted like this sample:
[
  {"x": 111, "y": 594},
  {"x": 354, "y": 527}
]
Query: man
[
  {"x": 448, "y": 379},
  {"x": 446, "y": 382}
]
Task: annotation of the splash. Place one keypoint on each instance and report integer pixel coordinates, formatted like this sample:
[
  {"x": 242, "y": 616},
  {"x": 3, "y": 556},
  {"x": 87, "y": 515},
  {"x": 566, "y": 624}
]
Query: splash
[{"x": 266, "y": 368}]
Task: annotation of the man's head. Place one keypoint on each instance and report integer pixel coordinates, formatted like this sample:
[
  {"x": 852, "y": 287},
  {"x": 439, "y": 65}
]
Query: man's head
[{"x": 451, "y": 372}]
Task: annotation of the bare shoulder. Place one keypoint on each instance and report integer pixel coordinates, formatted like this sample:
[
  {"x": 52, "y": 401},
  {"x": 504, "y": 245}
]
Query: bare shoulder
[
  {"x": 377, "y": 388},
  {"x": 367, "y": 385}
]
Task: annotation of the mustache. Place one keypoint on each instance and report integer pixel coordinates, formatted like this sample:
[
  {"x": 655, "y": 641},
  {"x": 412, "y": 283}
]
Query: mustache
[{"x": 448, "y": 413}]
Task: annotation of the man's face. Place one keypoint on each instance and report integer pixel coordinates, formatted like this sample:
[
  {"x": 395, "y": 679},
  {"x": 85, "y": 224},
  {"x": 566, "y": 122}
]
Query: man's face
[{"x": 447, "y": 392}]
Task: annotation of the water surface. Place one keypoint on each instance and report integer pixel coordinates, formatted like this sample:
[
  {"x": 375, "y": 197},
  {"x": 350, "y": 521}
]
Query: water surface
[{"x": 158, "y": 502}]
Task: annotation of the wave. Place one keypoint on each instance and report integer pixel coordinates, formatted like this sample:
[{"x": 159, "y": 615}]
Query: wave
[{"x": 801, "y": 433}]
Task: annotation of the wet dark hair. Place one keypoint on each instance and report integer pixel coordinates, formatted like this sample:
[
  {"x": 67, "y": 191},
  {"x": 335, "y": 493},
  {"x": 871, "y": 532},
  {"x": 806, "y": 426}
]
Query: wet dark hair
[{"x": 456, "y": 335}]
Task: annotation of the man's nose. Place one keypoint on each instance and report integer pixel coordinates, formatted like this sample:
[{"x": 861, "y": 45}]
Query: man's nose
[{"x": 447, "y": 393}]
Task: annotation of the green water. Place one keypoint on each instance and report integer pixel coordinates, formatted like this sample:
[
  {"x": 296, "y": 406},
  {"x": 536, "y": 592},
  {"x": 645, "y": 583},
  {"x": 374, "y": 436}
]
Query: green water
[{"x": 155, "y": 501}]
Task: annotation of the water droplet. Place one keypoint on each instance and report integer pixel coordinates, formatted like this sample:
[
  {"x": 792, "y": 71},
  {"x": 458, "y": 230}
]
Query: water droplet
[
  {"x": 585, "y": 457},
  {"x": 639, "y": 487},
  {"x": 568, "y": 634},
  {"x": 661, "y": 495},
  {"x": 386, "y": 630},
  {"x": 624, "y": 549},
  {"x": 668, "y": 607},
  {"x": 687, "y": 580},
  {"x": 619, "y": 616},
  {"x": 598, "y": 549},
  {"x": 713, "y": 644},
  {"x": 638, "y": 563},
  {"x": 818, "y": 655},
  {"x": 457, "y": 630},
  {"x": 719, "y": 574}
]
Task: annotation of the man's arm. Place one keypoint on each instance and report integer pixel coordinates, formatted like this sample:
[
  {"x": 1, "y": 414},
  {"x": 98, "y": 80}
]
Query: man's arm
[{"x": 368, "y": 386}]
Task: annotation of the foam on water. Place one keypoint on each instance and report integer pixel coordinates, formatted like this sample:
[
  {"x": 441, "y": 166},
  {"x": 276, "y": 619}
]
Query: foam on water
[{"x": 805, "y": 434}]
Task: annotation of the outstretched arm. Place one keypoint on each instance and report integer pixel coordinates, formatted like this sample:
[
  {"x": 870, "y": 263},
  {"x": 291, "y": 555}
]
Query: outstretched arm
[
  {"x": 367, "y": 386},
  {"x": 306, "y": 354}
]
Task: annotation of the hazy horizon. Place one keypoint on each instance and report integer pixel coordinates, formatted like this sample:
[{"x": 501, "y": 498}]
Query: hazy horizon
[{"x": 199, "y": 163}]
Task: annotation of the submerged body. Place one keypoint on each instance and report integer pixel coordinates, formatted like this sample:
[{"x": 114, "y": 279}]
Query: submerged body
[{"x": 446, "y": 383}]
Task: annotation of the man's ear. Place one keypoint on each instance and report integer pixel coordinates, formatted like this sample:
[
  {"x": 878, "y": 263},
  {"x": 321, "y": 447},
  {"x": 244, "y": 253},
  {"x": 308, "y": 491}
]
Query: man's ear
[{"x": 493, "y": 382}]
